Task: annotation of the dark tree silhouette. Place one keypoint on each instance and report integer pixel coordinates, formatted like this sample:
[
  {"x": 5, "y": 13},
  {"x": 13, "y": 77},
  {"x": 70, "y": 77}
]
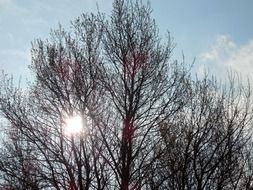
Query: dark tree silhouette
[{"x": 206, "y": 144}]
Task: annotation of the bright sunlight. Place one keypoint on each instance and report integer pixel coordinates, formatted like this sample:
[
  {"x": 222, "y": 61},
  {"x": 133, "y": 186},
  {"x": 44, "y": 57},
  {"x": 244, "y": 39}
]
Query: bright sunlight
[{"x": 73, "y": 125}]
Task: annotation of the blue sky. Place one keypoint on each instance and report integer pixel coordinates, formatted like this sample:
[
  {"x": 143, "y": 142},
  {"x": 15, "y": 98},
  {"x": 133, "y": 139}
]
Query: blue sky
[{"x": 219, "y": 33}]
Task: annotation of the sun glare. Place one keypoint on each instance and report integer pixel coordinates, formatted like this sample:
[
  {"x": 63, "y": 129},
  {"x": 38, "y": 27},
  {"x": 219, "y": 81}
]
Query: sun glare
[{"x": 73, "y": 125}]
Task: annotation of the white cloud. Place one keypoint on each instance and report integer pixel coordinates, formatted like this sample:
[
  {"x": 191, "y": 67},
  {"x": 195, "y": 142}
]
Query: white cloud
[
  {"x": 221, "y": 49},
  {"x": 4, "y": 3},
  {"x": 11, "y": 8},
  {"x": 225, "y": 55}
]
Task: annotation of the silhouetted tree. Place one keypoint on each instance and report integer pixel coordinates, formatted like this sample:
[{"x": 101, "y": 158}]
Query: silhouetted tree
[
  {"x": 205, "y": 145},
  {"x": 146, "y": 123}
]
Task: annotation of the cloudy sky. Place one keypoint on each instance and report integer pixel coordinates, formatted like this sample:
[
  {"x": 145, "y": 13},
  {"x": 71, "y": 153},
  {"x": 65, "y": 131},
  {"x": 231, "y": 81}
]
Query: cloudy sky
[{"x": 219, "y": 33}]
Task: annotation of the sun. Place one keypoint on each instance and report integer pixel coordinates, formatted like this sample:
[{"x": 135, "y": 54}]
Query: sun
[{"x": 73, "y": 125}]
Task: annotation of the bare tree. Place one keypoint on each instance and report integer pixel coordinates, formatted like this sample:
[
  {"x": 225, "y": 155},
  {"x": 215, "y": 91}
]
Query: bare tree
[
  {"x": 64, "y": 86},
  {"x": 145, "y": 123},
  {"x": 206, "y": 144},
  {"x": 143, "y": 85},
  {"x": 18, "y": 165}
]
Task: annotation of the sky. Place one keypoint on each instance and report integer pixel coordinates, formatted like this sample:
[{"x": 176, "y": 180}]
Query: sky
[{"x": 217, "y": 33}]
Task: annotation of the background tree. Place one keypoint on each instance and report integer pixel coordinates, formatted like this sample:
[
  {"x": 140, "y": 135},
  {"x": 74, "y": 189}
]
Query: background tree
[{"x": 205, "y": 146}]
